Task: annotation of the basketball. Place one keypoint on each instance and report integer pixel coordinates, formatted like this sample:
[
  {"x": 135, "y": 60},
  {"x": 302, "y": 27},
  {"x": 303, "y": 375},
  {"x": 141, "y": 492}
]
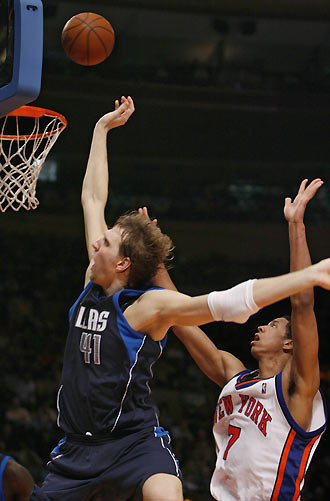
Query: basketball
[{"x": 88, "y": 38}]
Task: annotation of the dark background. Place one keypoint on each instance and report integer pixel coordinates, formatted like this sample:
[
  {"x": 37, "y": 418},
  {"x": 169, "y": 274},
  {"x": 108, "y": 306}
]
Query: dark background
[{"x": 232, "y": 112}]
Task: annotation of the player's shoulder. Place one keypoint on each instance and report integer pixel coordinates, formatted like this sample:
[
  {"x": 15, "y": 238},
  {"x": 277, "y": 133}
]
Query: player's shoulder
[
  {"x": 13, "y": 469},
  {"x": 152, "y": 301},
  {"x": 18, "y": 477}
]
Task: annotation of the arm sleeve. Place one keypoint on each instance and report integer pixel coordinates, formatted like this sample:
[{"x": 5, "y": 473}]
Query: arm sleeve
[{"x": 233, "y": 305}]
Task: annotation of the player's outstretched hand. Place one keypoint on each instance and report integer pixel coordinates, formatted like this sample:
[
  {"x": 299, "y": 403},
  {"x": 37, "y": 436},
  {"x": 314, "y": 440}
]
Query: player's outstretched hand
[
  {"x": 294, "y": 210},
  {"x": 120, "y": 115}
]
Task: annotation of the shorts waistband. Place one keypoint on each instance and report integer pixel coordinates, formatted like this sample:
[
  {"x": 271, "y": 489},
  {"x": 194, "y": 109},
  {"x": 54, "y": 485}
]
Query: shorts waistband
[{"x": 90, "y": 439}]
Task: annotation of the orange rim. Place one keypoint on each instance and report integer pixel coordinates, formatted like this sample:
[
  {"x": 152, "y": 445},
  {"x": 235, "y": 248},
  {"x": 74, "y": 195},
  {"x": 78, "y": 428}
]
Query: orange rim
[{"x": 35, "y": 112}]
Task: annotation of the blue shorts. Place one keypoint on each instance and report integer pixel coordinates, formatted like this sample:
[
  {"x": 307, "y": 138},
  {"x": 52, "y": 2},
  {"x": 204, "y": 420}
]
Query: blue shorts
[{"x": 113, "y": 469}]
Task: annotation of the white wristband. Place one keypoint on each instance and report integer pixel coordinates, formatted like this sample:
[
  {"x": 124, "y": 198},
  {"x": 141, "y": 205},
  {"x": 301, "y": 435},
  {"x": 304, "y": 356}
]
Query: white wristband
[{"x": 233, "y": 305}]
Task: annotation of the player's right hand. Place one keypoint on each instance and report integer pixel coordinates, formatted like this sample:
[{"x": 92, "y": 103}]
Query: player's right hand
[{"x": 120, "y": 115}]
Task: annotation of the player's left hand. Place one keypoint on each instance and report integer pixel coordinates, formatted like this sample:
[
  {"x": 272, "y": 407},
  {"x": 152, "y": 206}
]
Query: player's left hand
[
  {"x": 294, "y": 210},
  {"x": 120, "y": 115}
]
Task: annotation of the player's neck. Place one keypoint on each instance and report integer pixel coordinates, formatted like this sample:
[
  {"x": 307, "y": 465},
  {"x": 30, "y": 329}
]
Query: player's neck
[
  {"x": 271, "y": 366},
  {"x": 115, "y": 286}
]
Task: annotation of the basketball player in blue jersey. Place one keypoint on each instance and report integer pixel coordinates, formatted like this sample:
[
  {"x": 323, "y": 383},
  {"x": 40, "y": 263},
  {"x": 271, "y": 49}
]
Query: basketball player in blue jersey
[
  {"x": 114, "y": 445},
  {"x": 267, "y": 422},
  {"x": 16, "y": 483}
]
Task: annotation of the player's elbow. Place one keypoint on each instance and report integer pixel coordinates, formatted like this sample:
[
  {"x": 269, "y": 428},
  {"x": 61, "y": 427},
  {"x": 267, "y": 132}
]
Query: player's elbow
[
  {"x": 86, "y": 197},
  {"x": 91, "y": 204}
]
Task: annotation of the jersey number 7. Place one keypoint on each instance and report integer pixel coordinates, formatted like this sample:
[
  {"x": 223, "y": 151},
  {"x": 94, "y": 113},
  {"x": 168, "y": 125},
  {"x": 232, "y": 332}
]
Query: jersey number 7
[{"x": 234, "y": 433}]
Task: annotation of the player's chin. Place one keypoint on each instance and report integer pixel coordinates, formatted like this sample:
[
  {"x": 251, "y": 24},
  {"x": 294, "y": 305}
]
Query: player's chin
[
  {"x": 97, "y": 280},
  {"x": 94, "y": 278},
  {"x": 254, "y": 352}
]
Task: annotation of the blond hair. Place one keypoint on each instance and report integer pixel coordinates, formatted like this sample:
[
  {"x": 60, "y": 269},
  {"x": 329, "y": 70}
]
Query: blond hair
[{"x": 146, "y": 246}]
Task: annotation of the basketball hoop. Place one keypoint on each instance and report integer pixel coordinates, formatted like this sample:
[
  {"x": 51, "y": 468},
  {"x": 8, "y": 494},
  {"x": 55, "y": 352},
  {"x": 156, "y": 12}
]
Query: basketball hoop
[{"x": 23, "y": 152}]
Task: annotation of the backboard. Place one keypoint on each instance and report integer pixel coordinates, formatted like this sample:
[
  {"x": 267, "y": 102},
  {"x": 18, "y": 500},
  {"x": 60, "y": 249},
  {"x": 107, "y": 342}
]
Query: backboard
[{"x": 21, "y": 51}]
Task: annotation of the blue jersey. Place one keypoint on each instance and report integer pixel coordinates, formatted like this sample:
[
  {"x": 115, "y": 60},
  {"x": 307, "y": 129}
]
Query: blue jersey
[
  {"x": 107, "y": 368},
  {"x": 3, "y": 464}
]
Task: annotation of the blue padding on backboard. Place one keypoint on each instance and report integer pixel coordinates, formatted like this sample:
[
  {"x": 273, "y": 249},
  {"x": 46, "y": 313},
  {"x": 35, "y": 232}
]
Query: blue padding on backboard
[{"x": 25, "y": 84}]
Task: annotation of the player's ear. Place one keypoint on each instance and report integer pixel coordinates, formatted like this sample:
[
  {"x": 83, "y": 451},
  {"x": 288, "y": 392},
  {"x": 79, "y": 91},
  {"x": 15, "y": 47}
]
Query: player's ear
[
  {"x": 288, "y": 345},
  {"x": 123, "y": 264}
]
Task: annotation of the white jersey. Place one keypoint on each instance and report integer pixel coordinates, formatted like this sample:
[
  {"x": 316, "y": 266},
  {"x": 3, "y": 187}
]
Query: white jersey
[{"x": 262, "y": 453}]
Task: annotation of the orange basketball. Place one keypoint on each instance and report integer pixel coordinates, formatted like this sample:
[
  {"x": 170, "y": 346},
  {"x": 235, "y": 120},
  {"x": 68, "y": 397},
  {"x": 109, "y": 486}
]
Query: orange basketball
[{"x": 88, "y": 38}]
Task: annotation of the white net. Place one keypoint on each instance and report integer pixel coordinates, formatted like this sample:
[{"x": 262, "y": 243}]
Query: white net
[{"x": 22, "y": 155}]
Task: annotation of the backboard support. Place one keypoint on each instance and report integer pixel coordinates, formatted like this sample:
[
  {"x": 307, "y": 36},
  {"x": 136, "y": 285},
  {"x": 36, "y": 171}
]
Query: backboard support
[{"x": 25, "y": 41}]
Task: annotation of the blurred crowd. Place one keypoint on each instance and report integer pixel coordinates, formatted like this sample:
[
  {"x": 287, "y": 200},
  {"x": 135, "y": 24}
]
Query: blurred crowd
[{"x": 39, "y": 282}]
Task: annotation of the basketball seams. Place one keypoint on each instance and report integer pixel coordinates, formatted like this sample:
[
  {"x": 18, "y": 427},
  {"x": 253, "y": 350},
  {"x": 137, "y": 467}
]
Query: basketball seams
[
  {"x": 99, "y": 18},
  {"x": 71, "y": 46},
  {"x": 91, "y": 32},
  {"x": 101, "y": 41},
  {"x": 85, "y": 24},
  {"x": 87, "y": 15},
  {"x": 80, "y": 21},
  {"x": 99, "y": 27}
]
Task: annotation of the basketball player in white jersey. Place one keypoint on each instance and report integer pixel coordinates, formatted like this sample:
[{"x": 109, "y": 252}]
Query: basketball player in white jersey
[{"x": 267, "y": 422}]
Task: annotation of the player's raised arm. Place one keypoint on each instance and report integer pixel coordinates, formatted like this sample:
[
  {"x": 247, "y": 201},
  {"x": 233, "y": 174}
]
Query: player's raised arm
[
  {"x": 94, "y": 194},
  {"x": 305, "y": 367}
]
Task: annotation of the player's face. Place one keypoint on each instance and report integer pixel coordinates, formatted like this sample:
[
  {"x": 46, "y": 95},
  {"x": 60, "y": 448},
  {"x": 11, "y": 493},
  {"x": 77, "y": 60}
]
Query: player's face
[
  {"x": 106, "y": 257},
  {"x": 270, "y": 338}
]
